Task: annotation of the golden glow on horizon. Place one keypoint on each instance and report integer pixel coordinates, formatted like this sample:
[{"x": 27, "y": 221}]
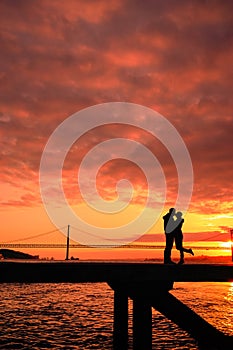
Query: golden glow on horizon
[{"x": 225, "y": 244}]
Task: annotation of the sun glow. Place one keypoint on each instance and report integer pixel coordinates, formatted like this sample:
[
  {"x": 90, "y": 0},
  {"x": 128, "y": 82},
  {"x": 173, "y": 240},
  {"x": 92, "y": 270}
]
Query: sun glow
[{"x": 226, "y": 244}]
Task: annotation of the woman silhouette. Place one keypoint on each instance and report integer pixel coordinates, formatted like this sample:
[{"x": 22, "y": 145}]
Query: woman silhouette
[{"x": 179, "y": 237}]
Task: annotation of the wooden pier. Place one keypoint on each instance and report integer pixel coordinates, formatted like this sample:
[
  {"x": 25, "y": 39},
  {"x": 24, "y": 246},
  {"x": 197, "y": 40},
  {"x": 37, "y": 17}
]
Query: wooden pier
[{"x": 147, "y": 284}]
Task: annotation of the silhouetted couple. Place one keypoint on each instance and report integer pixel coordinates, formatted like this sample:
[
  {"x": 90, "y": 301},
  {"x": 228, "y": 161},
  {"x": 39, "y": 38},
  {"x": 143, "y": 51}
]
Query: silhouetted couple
[{"x": 173, "y": 222}]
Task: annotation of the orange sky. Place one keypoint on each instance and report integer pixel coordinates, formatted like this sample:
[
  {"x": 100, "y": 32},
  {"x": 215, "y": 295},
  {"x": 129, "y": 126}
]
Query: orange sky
[{"x": 58, "y": 57}]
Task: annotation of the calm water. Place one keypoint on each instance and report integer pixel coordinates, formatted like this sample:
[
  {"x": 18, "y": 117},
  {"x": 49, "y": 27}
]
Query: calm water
[{"x": 79, "y": 316}]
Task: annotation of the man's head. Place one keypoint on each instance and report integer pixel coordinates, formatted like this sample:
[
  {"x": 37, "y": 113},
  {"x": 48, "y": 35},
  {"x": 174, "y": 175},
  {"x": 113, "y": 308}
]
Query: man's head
[{"x": 172, "y": 210}]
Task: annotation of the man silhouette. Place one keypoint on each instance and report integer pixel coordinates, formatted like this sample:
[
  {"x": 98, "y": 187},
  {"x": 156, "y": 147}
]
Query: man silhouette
[{"x": 169, "y": 225}]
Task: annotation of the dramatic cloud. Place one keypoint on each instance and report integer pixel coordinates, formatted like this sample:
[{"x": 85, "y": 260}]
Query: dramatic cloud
[{"x": 175, "y": 57}]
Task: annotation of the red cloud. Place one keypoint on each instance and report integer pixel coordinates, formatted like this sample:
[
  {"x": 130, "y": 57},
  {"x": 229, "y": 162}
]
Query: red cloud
[{"x": 173, "y": 56}]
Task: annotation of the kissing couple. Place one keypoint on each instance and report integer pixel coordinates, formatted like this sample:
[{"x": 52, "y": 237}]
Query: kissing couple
[{"x": 173, "y": 222}]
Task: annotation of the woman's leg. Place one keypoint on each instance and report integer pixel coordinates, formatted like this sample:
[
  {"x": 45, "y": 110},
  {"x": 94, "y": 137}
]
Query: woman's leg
[
  {"x": 188, "y": 250},
  {"x": 179, "y": 246}
]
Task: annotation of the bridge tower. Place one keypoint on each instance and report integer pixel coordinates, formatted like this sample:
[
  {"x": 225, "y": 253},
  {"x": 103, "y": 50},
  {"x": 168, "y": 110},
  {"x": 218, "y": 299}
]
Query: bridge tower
[{"x": 68, "y": 242}]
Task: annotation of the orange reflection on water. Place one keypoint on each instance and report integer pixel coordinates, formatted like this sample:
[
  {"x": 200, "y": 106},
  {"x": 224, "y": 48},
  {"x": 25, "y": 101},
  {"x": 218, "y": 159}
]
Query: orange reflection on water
[{"x": 229, "y": 296}]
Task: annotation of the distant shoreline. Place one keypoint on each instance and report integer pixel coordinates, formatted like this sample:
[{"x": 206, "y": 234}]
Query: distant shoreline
[{"x": 199, "y": 259}]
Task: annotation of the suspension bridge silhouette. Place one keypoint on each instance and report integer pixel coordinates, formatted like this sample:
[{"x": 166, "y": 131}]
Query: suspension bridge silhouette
[{"x": 62, "y": 241}]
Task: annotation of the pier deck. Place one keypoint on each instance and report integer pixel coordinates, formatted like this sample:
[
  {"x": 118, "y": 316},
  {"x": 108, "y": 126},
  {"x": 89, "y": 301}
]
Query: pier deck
[
  {"x": 105, "y": 271},
  {"x": 146, "y": 283}
]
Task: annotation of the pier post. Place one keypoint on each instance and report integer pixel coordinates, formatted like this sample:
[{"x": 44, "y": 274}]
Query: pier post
[
  {"x": 142, "y": 324},
  {"x": 120, "y": 327}
]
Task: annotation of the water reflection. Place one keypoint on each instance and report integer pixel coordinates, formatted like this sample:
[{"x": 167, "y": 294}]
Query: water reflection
[
  {"x": 229, "y": 296},
  {"x": 80, "y": 316}
]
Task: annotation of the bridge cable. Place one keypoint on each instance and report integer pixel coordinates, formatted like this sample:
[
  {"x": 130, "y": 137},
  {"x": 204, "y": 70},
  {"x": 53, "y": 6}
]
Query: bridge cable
[{"x": 34, "y": 236}]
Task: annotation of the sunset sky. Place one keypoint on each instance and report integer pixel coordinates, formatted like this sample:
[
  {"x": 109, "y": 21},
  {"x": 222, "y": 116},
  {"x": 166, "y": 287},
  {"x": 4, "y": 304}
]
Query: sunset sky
[{"x": 59, "y": 57}]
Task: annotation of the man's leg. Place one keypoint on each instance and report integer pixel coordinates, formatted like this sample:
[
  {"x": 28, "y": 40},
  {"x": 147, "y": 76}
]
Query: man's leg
[{"x": 168, "y": 248}]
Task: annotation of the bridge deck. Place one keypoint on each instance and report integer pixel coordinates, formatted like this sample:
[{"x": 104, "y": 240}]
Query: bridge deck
[{"x": 104, "y": 271}]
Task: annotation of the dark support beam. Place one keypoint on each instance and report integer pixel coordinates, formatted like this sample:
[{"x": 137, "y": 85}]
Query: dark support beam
[
  {"x": 120, "y": 327},
  {"x": 207, "y": 335},
  {"x": 142, "y": 324}
]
